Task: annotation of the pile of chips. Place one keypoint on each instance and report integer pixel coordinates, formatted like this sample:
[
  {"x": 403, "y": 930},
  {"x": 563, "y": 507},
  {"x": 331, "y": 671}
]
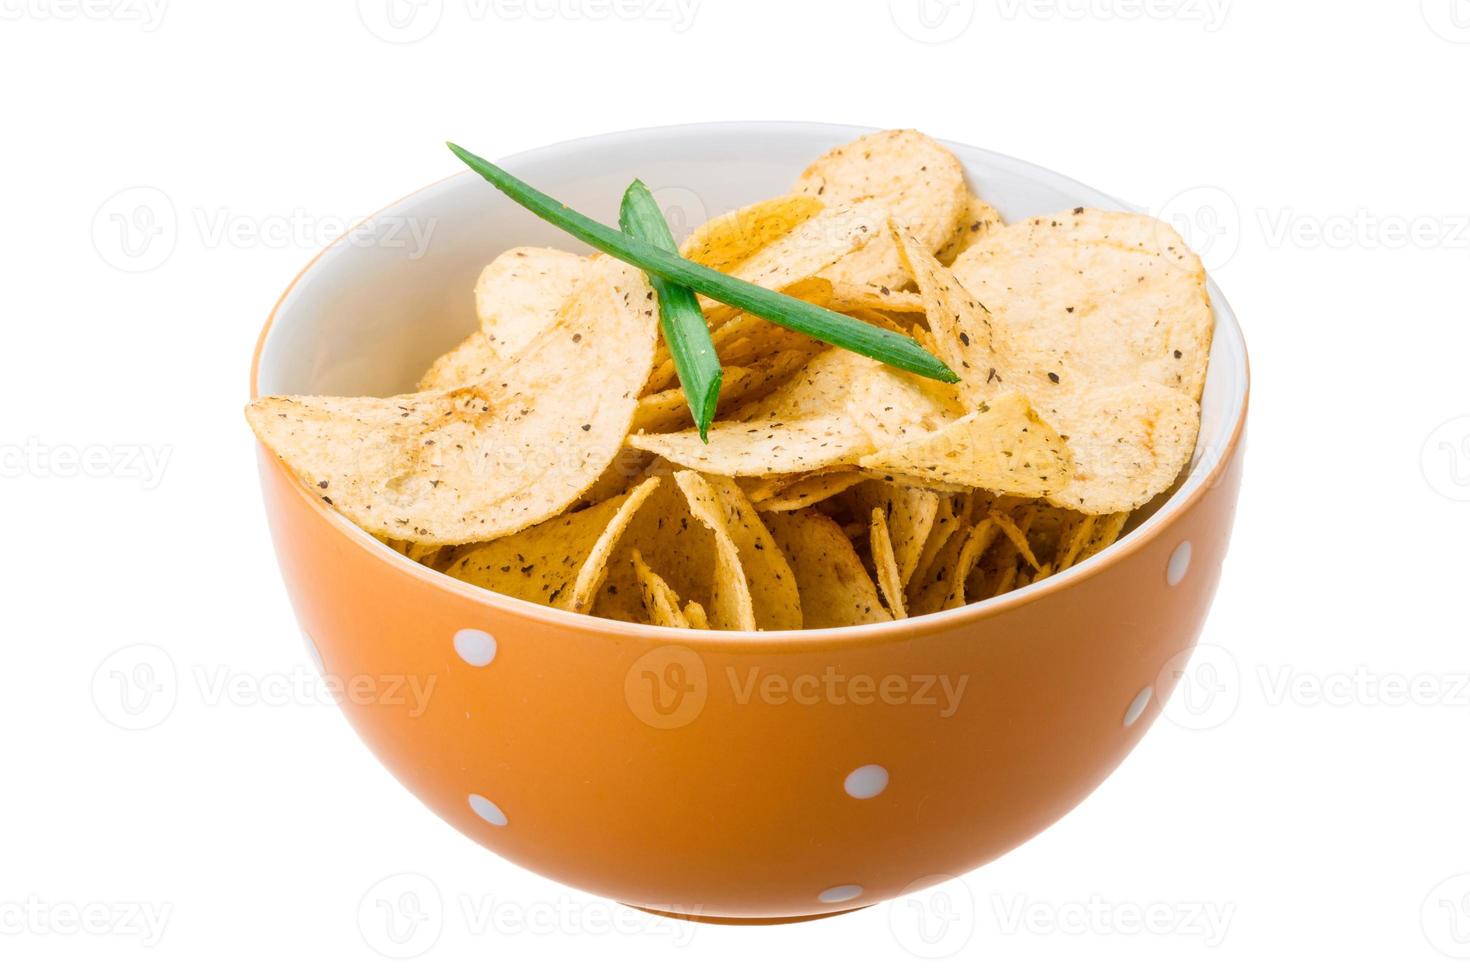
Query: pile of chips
[{"x": 551, "y": 455}]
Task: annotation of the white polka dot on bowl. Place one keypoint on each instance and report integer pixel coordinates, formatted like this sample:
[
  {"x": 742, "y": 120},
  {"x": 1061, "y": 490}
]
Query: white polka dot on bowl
[
  {"x": 1178, "y": 564},
  {"x": 487, "y": 811},
  {"x": 866, "y": 782},
  {"x": 313, "y": 652},
  {"x": 840, "y": 893},
  {"x": 475, "y": 647},
  {"x": 1138, "y": 707}
]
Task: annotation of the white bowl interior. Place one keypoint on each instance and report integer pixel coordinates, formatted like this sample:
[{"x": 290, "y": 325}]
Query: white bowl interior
[{"x": 371, "y": 314}]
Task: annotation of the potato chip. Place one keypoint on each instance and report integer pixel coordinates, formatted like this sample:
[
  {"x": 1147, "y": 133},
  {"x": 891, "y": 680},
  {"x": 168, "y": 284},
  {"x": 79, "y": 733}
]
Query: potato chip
[
  {"x": 979, "y": 538},
  {"x": 1104, "y": 532},
  {"x": 1097, "y": 297},
  {"x": 682, "y": 549},
  {"x": 740, "y": 537},
  {"x": 850, "y": 297},
  {"x": 760, "y": 449},
  {"x": 803, "y": 252},
  {"x": 811, "y": 490},
  {"x": 480, "y": 462},
  {"x": 908, "y": 514},
  {"x": 772, "y": 585},
  {"x": 1129, "y": 443},
  {"x": 835, "y": 587},
  {"x": 1003, "y": 446},
  {"x": 953, "y": 514},
  {"x": 659, "y": 601},
  {"x": 1017, "y": 537},
  {"x": 1128, "y": 437},
  {"x": 695, "y": 616},
  {"x": 726, "y": 241},
  {"x": 976, "y": 222},
  {"x": 903, "y": 174},
  {"x": 885, "y": 564},
  {"x": 517, "y": 298},
  {"x": 561, "y": 562}
]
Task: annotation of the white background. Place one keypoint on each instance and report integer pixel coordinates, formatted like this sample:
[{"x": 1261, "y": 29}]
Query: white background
[{"x": 1307, "y": 810}]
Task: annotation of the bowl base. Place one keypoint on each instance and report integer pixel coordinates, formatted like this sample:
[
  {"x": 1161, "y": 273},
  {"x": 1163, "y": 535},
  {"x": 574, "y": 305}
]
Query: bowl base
[{"x": 720, "y": 920}]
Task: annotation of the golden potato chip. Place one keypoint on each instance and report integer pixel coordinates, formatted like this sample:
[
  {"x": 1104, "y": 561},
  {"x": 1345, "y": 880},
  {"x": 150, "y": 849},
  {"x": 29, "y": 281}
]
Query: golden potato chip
[
  {"x": 1016, "y": 536},
  {"x": 1002, "y": 446},
  {"x": 1098, "y": 297},
  {"x": 803, "y": 252},
  {"x": 976, "y": 222},
  {"x": 1128, "y": 437},
  {"x": 850, "y": 297},
  {"x": 659, "y": 601},
  {"x": 469, "y": 359},
  {"x": 953, "y": 514},
  {"x": 667, "y": 411},
  {"x": 725, "y": 241},
  {"x": 835, "y": 587},
  {"x": 1073, "y": 540},
  {"x": 908, "y": 514},
  {"x": 749, "y": 564},
  {"x": 760, "y": 449},
  {"x": 719, "y": 503},
  {"x": 979, "y": 538},
  {"x": 1104, "y": 533},
  {"x": 695, "y": 616},
  {"x": 903, "y": 174},
  {"x": 810, "y": 490},
  {"x": 670, "y": 539},
  {"x": 480, "y": 462},
  {"x": 517, "y": 298},
  {"x": 930, "y": 586},
  {"x": 561, "y": 562},
  {"x": 885, "y": 563},
  {"x": 1129, "y": 443}
]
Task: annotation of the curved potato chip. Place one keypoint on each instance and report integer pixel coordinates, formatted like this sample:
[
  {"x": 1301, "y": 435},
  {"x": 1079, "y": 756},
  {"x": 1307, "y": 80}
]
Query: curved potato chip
[
  {"x": 803, "y": 252},
  {"x": 1002, "y": 446},
  {"x": 772, "y": 586},
  {"x": 561, "y": 562},
  {"x": 909, "y": 514},
  {"x": 976, "y": 222},
  {"x": 906, "y": 175},
  {"x": 660, "y": 601},
  {"x": 670, "y": 539},
  {"x": 695, "y": 616},
  {"x": 954, "y": 513},
  {"x": 885, "y": 563},
  {"x": 835, "y": 587},
  {"x": 1128, "y": 437},
  {"x": 813, "y": 489},
  {"x": 762, "y": 449},
  {"x": 517, "y": 297},
  {"x": 1129, "y": 444},
  {"x": 480, "y": 462},
  {"x": 1097, "y": 296},
  {"x": 725, "y": 241}
]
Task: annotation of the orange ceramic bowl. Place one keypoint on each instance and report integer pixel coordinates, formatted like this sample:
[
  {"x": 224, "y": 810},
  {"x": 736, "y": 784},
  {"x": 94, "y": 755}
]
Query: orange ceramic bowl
[{"x": 739, "y": 776}]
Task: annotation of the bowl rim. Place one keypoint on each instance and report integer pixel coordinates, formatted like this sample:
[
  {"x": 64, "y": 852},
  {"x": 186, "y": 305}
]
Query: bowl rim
[{"x": 1180, "y": 501}]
